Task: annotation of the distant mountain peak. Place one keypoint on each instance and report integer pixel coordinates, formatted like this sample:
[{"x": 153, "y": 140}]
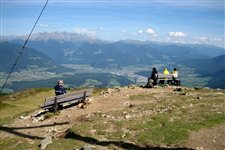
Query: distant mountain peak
[{"x": 58, "y": 36}]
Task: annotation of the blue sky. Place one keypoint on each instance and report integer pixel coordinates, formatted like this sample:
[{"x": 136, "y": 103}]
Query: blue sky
[{"x": 181, "y": 21}]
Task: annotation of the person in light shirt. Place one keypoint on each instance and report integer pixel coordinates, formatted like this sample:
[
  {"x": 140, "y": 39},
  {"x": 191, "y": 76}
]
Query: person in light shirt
[{"x": 175, "y": 73}]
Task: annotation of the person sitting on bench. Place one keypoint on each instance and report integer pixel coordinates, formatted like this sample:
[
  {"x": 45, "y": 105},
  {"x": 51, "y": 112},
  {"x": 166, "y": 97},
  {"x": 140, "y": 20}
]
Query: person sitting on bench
[
  {"x": 59, "y": 88},
  {"x": 175, "y": 77},
  {"x": 165, "y": 71}
]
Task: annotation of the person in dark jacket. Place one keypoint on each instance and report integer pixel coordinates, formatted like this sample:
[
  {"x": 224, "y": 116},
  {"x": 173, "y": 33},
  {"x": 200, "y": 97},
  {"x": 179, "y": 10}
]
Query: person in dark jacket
[
  {"x": 59, "y": 88},
  {"x": 154, "y": 76},
  {"x": 152, "y": 80}
]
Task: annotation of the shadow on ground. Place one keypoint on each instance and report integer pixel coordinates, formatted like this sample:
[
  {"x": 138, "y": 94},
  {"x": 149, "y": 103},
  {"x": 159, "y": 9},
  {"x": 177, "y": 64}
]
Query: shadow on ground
[
  {"x": 121, "y": 144},
  {"x": 14, "y": 130}
]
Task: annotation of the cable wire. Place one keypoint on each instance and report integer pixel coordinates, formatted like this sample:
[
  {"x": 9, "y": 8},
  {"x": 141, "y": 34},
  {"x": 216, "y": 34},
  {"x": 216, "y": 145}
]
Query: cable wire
[{"x": 23, "y": 47}]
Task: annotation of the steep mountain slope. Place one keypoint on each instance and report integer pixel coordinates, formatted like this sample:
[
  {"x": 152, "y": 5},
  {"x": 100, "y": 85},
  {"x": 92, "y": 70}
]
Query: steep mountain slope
[
  {"x": 30, "y": 58},
  {"x": 211, "y": 67}
]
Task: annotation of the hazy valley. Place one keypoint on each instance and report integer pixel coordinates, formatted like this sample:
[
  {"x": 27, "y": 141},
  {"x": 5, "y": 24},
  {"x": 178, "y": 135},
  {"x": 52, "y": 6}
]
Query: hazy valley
[{"x": 82, "y": 61}]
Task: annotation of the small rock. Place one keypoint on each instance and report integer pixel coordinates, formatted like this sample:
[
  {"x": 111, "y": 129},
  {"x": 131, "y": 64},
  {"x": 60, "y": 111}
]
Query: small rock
[
  {"x": 207, "y": 88},
  {"x": 45, "y": 142},
  {"x": 93, "y": 131},
  {"x": 34, "y": 120},
  {"x": 199, "y": 148},
  {"x": 108, "y": 116},
  {"x": 178, "y": 89},
  {"x": 131, "y": 86},
  {"x": 127, "y": 116},
  {"x": 131, "y": 106},
  {"x": 103, "y": 115},
  {"x": 197, "y": 88},
  {"x": 86, "y": 147},
  {"x": 118, "y": 89},
  {"x": 199, "y": 97},
  {"x": 41, "y": 118},
  {"x": 127, "y": 103},
  {"x": 82, "y": 105},
  {"x": 41, "y": 112},
  {"x": 184, "y": 94},
  {"x": 123, "y": 136},
  {"x": 24, "y": 117}
]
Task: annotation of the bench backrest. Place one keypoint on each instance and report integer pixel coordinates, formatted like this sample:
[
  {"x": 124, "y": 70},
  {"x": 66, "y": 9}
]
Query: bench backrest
[
  {"x": 165, "y": 76},
  {"x": 77, "y": 95}
]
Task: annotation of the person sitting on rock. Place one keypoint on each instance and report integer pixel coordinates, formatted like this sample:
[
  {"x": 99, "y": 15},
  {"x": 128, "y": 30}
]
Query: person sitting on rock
[{"x": 152, "y": 80}]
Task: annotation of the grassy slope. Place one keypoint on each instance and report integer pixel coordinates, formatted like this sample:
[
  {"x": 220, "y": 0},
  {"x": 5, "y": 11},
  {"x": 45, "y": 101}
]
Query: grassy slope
[
  {"x": 12, "y": 105},
  {"x": 167, "y": 120}
]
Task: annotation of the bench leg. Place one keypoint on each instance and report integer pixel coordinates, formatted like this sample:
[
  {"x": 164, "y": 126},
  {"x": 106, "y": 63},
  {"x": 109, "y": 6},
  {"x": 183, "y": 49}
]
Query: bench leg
[
  {"x": 55, "y": 105},
  {"x": 84, "y": 97}
]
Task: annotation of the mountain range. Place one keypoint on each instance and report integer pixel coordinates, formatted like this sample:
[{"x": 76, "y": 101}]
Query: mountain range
[
  {"x": 54, "y": 49},
  {"x": 66, "y": 48}
]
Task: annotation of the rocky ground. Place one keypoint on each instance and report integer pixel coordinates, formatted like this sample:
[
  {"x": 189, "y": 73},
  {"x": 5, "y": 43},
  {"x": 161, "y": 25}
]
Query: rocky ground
[{"x": 36, "y": 126}]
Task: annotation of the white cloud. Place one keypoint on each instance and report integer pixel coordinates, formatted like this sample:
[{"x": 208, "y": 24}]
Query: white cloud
[
  {"x": 202, "y": 38},
  {"x": 140, "y": 31},
  {"x": 214, "y": 39},
  {"x": 151, "y": 32},
  {"x": 177, "y": 34},
  {"x": 207, "y": 39},
  {"x": 85, "y": 31},
  {"x": 123, "y": 31}
]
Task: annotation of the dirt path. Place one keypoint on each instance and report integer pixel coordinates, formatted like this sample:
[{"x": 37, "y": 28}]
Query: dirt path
[
  {"x": 208, "y": 139},
  {"x": 113, "y": 99}
]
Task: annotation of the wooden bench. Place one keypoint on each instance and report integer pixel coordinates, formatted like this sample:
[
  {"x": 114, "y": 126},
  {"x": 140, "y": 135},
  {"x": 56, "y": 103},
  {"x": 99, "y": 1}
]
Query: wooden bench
[
  {"x": 55, "y": 101},
  {"x": 168, "y": 78}
]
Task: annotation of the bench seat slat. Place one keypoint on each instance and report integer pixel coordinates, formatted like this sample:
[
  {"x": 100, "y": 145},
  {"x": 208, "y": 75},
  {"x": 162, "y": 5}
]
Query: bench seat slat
[
  {"x": 77, "y": 95},
  {"x": 66, "y": 99},
  {"x": 165, "y": 76}
]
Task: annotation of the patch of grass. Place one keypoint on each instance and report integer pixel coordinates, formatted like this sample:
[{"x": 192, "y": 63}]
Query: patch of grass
[
  {"x": 15, "y": 104},
  {"x": 83, "y": 129},
  {"x": 98, "y": 91},
  {"x": 5, "y": 105},
  {"x": 49, "y": 115},
  {"x": 18, "y": 143},
  {"x": 141, "y": 96},
  {"x": 160, "y": 129},
  {"x": 65, "y": 144}
]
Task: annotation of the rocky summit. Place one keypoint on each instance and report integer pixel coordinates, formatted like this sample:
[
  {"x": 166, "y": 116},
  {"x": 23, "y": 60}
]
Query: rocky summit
[{"x": 117, "y": 118}]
